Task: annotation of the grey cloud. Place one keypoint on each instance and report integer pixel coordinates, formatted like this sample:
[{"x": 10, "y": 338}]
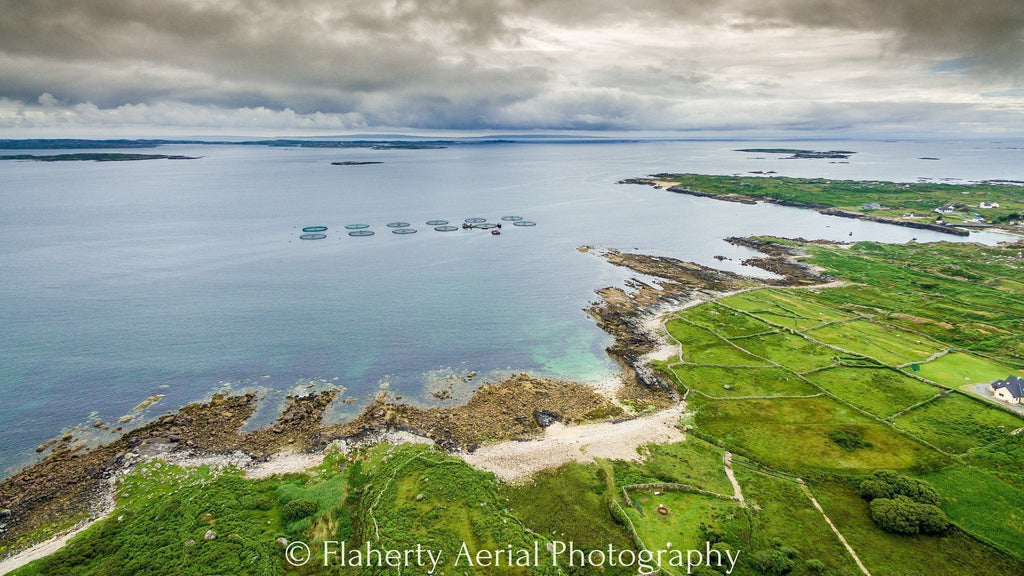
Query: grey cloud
[{"x": 458, "y": 63}]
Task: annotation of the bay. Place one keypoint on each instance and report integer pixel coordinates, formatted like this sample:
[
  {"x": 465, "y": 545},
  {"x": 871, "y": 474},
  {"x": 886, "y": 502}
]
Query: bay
[{"x": 122, "y": 280}]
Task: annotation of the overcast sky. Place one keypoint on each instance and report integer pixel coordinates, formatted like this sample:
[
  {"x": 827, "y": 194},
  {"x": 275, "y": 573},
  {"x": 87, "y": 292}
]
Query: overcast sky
[{"x": 277, "y": 67}]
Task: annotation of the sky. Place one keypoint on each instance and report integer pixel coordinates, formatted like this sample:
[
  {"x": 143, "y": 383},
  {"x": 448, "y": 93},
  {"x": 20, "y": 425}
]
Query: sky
[{"x": 313, "y": 67}]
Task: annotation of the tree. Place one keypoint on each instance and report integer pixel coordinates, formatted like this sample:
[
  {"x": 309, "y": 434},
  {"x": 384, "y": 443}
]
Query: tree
[
  {"x": 888, "y": 484},
  {"x": 902, "y": 515}
]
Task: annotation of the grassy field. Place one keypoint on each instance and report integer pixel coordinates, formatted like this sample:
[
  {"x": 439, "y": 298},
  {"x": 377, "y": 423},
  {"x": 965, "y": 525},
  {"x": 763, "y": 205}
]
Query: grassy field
[
  {"x": 958, "y": 423},
  {"x": 726, "y": 322},
  {"x": 951, "y": 554},
  {"x": 984, "y": 505},
  {"x": 794, "y": 435},
  {"x": 890, "y": 346},
  {"x": 901, "y": 305},
  {"x": 722, "y": 382},
  {"x": 796, "y": 353},
  {"x": 956, "y": 369},
  {"x": 880, "y": 391},
  {"x": 701, "y": 346}
]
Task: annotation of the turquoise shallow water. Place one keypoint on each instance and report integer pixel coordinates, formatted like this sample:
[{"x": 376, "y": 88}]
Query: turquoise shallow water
[{"x": 126, "y": 279}]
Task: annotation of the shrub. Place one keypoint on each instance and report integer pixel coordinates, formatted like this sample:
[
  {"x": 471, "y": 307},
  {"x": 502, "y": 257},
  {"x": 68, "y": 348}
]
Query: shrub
[
  {"x": 297, "y": 510},
  {"x": 887, "y": 484},
  {"x": 848, "y": 440},
  {"x": 774, "y": 562},
  {"x": 816, "y": 566},
  {"x": 902, "y": 515}
]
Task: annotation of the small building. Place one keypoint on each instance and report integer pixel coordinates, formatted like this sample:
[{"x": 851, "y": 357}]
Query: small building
[
  {"x": 986, "y": 205},
  {"x": 946, "y": 208},
  {"x": 1010, "y": 390},
  {"x": 871, "y": 206}
]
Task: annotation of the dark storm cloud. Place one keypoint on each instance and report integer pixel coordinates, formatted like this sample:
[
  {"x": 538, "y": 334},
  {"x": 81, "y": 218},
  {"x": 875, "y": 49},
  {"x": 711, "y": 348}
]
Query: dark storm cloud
[
  {"x": 987, "y": 33},
  {"x": 310, "y": 56},
  {"x": 504, "y": 64}
]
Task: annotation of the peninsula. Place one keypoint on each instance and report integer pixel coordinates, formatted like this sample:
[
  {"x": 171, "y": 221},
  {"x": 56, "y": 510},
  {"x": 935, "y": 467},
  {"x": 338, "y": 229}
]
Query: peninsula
[{"x": 949, "y": 208}]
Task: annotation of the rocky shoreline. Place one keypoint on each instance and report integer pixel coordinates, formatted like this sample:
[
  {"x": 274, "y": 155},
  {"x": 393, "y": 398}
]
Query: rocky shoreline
[{"x": 70, "y": 479}]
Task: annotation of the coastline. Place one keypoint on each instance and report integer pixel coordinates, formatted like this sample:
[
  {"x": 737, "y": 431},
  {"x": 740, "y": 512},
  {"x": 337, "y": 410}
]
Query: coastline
[{"x": 566, "y": 414}]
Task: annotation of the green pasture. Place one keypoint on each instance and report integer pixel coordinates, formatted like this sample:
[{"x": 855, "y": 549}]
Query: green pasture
[
  {"x": 880, "y": 391},
  {"x": 950, "y": 554},
  {"x": 796, "y": 353},
  {"x": 958, "y": 423},
  {"x": 714, "y": 380},
  {"x": 889, "y": 345},
  {"x": 726, "y": 322},
  {"x": 959, "y": 368},
  {"x": 983, "y": 505},
  {"x": 797, "y": 435},
  {"x": 700, "y": 346}
]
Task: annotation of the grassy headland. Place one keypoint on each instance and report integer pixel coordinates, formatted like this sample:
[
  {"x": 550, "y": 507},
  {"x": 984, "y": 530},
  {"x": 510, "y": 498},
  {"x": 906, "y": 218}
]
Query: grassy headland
[{"x": 906, "y": 204}]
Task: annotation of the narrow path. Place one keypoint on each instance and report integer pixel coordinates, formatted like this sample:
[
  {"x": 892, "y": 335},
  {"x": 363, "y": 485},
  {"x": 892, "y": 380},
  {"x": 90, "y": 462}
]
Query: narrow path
[
  {"x": 732, "y": 478},
  {"x": 846, "y": 544}
]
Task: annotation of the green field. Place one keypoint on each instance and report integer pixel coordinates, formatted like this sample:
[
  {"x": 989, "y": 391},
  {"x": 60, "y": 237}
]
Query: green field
[
  {"x": 726, "y": 322},
  {"x": 982, "y": 504},
  {"x": 796, "y": 353},
  {"x": 880, "y": 391},
  {"x": 957, "y": 369},
  {"x": 680, "y": 528},
  {"x": 890, "y": 346},
  {"x": 722, "y": 382},
  {"x": 794, "y": 435},
  {"x": 958, "y": 423},
  {"x": 951, "y": 554},
  {"x": 701, "y": 346},
  {"x": 787, "y": 309}
]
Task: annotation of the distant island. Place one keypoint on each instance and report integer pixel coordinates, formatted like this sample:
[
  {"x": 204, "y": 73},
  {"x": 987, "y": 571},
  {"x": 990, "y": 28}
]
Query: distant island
[
  {"x": 797, "y": 154},
  {"x": 95, "y": 157},
  {"x": 75, "y": 143},
  {"x": 355, "y": 163}
]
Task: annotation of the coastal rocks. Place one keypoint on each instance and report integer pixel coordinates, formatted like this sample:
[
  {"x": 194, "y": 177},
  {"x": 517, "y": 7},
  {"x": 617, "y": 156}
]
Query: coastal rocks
[
  {"x": 545, "y": 418},
  {"x": 782, "y": 260},
  {"x": 495, "y": 412}
]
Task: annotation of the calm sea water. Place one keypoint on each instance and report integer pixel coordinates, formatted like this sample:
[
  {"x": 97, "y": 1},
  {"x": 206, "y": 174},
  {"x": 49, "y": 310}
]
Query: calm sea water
[{"x": 128, "y": 279}]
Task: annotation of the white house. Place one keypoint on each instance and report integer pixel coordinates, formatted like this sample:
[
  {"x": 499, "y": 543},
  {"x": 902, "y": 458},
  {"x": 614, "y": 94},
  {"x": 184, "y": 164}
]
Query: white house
[
  {"x": 1010, "y": 390},
  {"x": 946, "y": 209},
  {"x": 989, "y": 205}
]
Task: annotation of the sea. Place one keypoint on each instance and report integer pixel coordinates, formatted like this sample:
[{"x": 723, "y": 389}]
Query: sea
[{"x": 120, "y": 281}]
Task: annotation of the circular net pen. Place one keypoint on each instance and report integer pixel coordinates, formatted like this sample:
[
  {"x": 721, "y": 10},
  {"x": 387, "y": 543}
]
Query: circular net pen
[
  {"x": 360, "y": 233},
  {"x": 446, "y": 228},
  {"x": 398, "y": 224},
  {"x": 356, "y": 226},
  {"x": 475, "y": 220},
  {"x": 436, "y": 222},
  {"x": 512, "y": 218},
  {"x": 524, "y": 223},
  {"x": 403, "y": 231},
  {"x": 315, "y": 236},
  {"x": 315, "y": 229}
]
